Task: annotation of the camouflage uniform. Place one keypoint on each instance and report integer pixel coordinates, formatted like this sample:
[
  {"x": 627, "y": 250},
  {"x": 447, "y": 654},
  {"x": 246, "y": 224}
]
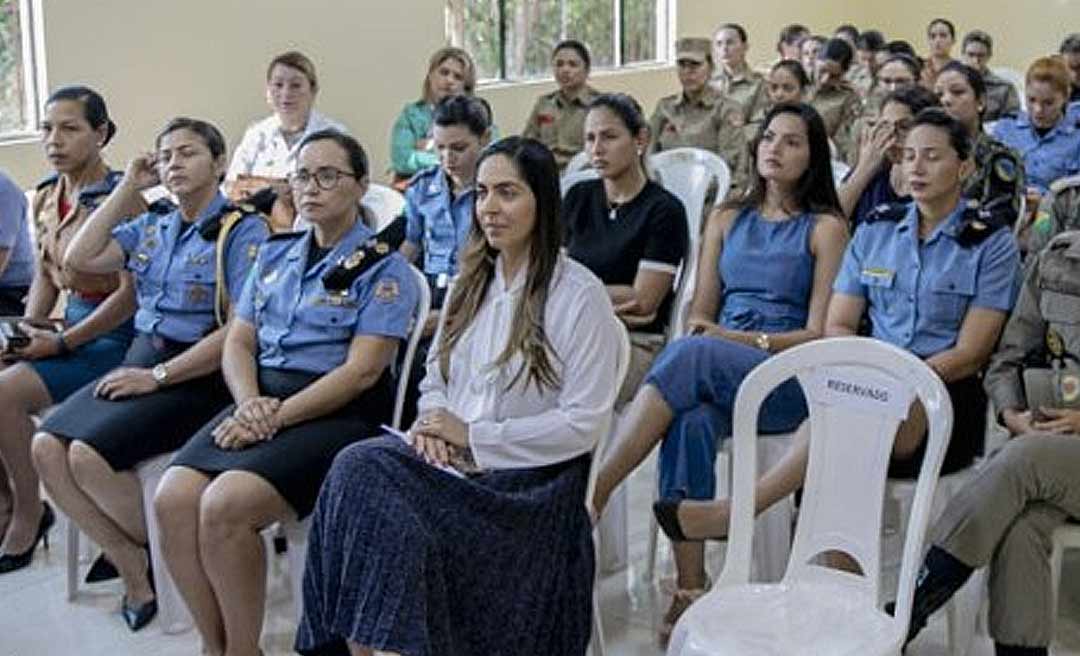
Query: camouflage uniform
[
  {"x": 1001, "y": 97},
  {"x": 559, "y": 123},
  {"x": 998, "y": 180},
  {"x": 1058, "y": 212}
]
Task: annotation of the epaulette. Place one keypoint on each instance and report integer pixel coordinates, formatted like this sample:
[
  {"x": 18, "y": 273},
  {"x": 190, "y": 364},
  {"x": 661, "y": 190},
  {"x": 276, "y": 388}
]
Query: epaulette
[
  {"x": 48, "y": 181},
  {"x": 211, "y": 227},
  {"x": 887, "y": 212},
  {"x": 283, "y": 236},
  {"x": 981, "y": 221},
  {"x": 370, "y": 253},
  {"x": 1061, "y": 184},
  {"x": 161, "y": 206},
  {"x": 1004, "y": 166},
  {"x": 1063, "y": 240},
  {"x": 262, "y": 201}
]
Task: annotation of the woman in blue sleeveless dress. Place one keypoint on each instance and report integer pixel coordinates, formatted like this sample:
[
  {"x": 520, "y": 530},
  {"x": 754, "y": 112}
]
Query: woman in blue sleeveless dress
[{"x": 763, "y": 283}]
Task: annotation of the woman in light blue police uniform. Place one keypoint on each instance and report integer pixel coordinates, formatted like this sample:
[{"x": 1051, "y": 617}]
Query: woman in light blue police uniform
[
  {"x": 187, "y": 263},
  {"x": 306, "y": 360},
  {"x": 1044, "y": 136},
  {"x": 439, "y": 201}
]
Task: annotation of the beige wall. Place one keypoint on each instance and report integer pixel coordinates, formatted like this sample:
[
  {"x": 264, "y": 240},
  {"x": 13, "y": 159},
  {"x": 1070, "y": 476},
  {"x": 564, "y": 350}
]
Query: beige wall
[{"x": 156, "y": 59}]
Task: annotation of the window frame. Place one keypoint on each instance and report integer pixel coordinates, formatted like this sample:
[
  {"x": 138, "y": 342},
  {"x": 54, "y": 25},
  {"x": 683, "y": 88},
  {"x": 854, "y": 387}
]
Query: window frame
[
  {"x": 665, "y": 46},
  {"x": 32, "y": 41}
]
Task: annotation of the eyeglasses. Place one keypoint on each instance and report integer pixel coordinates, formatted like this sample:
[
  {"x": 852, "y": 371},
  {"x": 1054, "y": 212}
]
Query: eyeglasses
[{"x": 326, "y": 177}]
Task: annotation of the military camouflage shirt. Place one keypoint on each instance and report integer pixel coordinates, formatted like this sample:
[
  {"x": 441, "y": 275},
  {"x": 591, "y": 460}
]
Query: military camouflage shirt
[
  {"x": 1001, "y": 97},
  {"x": 712, "y": 123},
  {"x": 559, "y": 123},
  {"x": 1058, "y": 212},
  {"x": 998, "y": 180},
  {"x": 746, "y": 88}
]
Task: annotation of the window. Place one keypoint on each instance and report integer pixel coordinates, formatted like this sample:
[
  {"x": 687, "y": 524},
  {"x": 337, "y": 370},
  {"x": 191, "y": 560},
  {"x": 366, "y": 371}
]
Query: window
[
  {"x": 21, "y": 68},
  {"x": 512, "y": 39}
]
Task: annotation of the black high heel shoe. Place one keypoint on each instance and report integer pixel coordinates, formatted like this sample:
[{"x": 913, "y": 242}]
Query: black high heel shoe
[
  {"x": 101, "y": 570},
  {"x": 13, "y": 562},
  {"x": 136, "y": 617}
]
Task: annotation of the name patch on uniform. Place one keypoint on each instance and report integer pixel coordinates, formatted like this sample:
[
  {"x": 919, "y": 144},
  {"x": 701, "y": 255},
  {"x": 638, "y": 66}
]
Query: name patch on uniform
[
  {"x": 545, "y": 119},
  {"x": 387, "y": 290},
  {"x": 198, "y": 294},
  {"x": 877, "y": 276}
]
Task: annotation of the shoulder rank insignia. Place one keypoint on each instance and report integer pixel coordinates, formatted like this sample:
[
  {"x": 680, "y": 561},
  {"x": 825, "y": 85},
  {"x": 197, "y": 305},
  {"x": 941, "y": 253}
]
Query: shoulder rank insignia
[
  {"x": 210, "y": 228},
  {"x": 161, "y": 206},
  {"x": 342, "y": 276},
  {"x": 887, "y": 212},
  {"x": 48, "y": 181},
  {"x": 980, "y": 221}
]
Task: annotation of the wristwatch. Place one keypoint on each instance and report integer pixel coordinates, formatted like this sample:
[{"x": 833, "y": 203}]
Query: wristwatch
[
  {"x": 763, "y": 342},
  {"x": 160, "y": 373}
]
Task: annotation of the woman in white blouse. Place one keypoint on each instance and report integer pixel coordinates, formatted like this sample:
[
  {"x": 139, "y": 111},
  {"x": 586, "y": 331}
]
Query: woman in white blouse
[
  {"x": 470, "y": 535},
  {"x": 268, "y": 150}
]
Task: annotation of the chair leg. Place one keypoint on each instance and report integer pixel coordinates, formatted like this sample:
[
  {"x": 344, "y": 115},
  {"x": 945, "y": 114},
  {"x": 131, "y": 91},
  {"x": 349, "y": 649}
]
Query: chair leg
[{"x": 72, "y": 560}]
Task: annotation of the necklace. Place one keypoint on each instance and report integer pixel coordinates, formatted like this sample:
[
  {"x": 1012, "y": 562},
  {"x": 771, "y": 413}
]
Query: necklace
[{"x": 613, "y": 210}]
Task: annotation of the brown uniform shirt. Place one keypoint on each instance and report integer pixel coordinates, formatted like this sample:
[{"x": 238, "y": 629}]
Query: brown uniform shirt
[
  {"x": 559, "y": 123},
  {"x": 839, "y": 107},
  {"x": 712, "y": 123},
  {"x": 746, "y": 88},
  {"x": 55, "y": 232},
  {"x": 1049, "y": 300}
]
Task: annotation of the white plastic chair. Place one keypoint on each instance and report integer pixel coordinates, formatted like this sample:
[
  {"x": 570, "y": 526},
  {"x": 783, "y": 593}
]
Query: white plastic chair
[
  {"x": 596, "y": 643},
  {"x": 296, "y": 532},
  {"x": 570, "y": 179},
  {"x": 840, "y": 170},
  {"x": 687, "y": 173},
  {"x": 173, "y": 614},
  {"x": 385, "y": 203},
  {"x": 1014, "y": 77},
  {"x": 858, "y": 391},
  {"x": 577, "y": 163}
]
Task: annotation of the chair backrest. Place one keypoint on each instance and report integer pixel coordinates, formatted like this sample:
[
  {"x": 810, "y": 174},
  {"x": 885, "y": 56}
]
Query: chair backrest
[
  {"x": 686, "y": 173},
  {"x": 385, "y": 203},
  {"x": 620, "y": 377},
  {"x": 840, "y": 170},
  {"x": 684, "y": 293},
  {"x": 577, "y": 163},
  {"x": 423, "y": 308},
  {"x": 570, "y": 179},
  {"x": 1015, "y": 77},
  {"x": 858, "y": 391}
]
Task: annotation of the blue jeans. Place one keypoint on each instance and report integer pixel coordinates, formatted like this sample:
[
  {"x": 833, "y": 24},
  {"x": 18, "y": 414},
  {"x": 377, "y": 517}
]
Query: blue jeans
[{"x": 698, "y": 378}]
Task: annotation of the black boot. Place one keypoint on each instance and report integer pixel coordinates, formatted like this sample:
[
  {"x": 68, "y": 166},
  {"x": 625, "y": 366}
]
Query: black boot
[
  {"x": 1013, "y": 650},
  {"x": 941, "y": 576}
]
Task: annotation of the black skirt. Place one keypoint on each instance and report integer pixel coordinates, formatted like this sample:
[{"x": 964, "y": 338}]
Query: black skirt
[
  {"x": 296, "y": 460},
  {"x": 128, "y": 431},
  {"x": 968, "y": 433}
]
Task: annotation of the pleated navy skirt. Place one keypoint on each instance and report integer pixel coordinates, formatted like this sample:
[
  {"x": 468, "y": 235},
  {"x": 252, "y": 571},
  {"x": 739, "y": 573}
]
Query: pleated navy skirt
[{"x": 406, "y": 558}]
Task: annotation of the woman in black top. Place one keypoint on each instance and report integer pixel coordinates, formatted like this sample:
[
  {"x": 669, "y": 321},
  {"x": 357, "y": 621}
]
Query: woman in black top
[{"x": 626, "y": 229}]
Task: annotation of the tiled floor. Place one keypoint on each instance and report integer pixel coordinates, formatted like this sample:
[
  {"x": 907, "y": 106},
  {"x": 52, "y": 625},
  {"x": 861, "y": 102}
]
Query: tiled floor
[{"x": 35, "y": 620}]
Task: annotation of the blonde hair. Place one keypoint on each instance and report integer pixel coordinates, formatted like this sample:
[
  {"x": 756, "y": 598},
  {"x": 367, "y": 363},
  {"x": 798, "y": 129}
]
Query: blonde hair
[
  {"x": 296, "y": 60},
  {"x": 441, "y": 55},
  {"x": 1051, "y": 70}
]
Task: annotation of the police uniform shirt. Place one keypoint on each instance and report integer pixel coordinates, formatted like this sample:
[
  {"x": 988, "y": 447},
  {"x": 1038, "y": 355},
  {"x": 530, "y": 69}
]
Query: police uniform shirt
[
  {"x": 747, "y": 89},
  {"x": 648, "y": 232},
  {"x": 712, "y": 123},
  {"x": 175, "y": 268},
  {"x": 1058, "y": 212},
  {"x": 304, "y": 325},
  {"x": 917, "y": 292},
  {"x": 436, "y": 223},
  {"x": 1046, "y": 158},
  {"x": 264, "y": 151},
  {"x": 14, "y": 236},
  {"x": 1049, "y": 300},
  {"x": 55, "y": 226},
  {"x": 559, "y": 123}
]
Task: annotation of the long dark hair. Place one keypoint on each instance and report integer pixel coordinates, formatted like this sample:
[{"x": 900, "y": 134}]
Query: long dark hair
[
  {"x": 816, "y": 190},
  {"x": 536, "y": 166}
]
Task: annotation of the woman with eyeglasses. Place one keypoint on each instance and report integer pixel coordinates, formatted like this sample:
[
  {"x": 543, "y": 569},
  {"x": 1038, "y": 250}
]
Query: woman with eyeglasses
[
  {"x": 876, "y": 178},
  {"x": 306, "y": 361},
  {"x": 897, "y": 72},
  {"x": 189, "y": 264}
]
